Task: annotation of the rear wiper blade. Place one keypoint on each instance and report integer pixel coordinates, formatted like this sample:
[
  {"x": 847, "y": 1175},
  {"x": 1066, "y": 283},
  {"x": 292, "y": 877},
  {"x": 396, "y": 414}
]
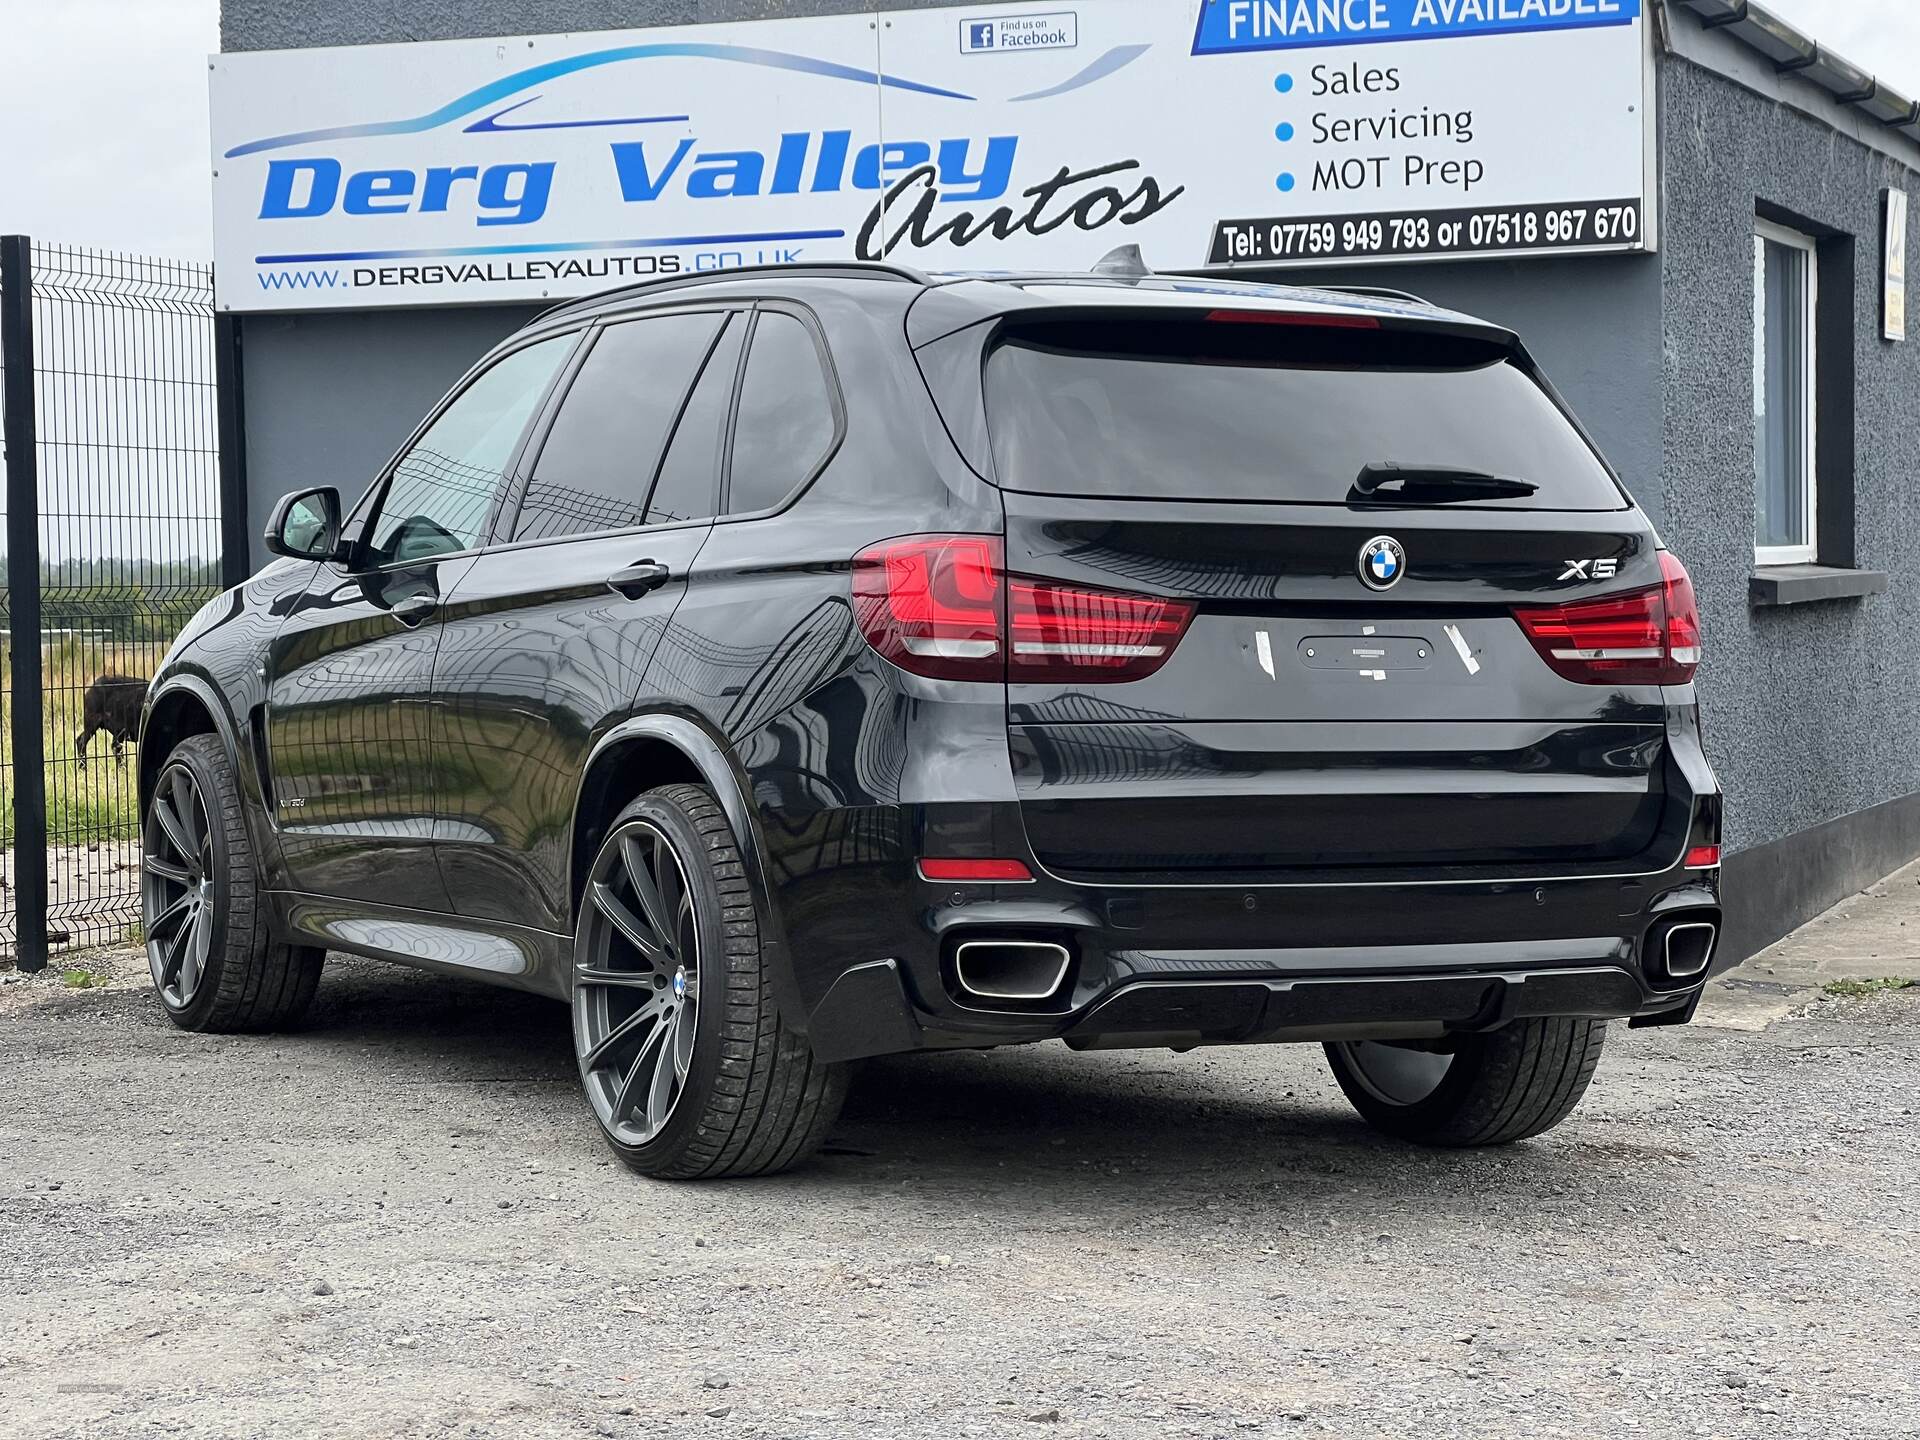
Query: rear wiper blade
[{"x": 1437, "y": 482}]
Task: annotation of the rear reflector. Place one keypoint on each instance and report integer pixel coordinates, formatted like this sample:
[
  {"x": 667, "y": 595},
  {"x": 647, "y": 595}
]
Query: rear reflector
[
  {"x": 974, "y": 870},
  {"x": 943, "y": 606},
  {"x": 1703, "y": 857},
  {"x": 1325, "y": 320},
  {"x": 1641, "y": 637}
]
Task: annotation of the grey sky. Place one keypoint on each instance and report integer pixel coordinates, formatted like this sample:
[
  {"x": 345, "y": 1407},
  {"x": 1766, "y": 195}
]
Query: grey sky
[
  {"x": 103, "y": 122},
  {"x": 1880, "y": 36},
  {"x": 103, "y": 110}
]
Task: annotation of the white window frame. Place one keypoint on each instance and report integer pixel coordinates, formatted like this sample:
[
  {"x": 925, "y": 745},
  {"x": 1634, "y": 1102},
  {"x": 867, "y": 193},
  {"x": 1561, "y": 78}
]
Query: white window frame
[{"x": 1798, "y": 554}]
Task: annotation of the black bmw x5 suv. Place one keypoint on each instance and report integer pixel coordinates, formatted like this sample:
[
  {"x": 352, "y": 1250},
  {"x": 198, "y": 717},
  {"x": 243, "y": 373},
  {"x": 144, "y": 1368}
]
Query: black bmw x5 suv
[{"x": 794, "y": 665}]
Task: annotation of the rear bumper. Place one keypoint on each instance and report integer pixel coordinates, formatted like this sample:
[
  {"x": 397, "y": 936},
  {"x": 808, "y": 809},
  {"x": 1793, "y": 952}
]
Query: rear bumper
[
  {"x": 1189, "y": 966},
  {"x": 1225, "y": 958}
]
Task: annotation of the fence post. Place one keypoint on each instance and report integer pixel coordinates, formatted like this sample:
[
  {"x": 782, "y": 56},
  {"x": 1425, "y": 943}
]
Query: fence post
[
  {"x": 23, "y": 603},
  {"x": 236, "y": 544}
]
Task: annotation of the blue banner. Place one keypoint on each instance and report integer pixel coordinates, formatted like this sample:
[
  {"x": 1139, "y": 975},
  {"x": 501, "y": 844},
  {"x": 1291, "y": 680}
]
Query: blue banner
[{"x": 1234, "y": 26}]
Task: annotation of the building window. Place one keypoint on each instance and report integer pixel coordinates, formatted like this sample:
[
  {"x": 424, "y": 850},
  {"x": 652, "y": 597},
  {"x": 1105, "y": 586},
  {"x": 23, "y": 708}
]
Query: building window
[{"x": 1785, "y": 271}]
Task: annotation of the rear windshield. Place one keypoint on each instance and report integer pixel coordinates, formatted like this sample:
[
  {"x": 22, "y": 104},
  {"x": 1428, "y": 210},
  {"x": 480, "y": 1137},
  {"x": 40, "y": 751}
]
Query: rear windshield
[{"x": 1240, "y": 410}]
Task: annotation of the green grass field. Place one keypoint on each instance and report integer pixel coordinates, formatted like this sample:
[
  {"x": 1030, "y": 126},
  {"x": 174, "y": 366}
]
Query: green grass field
[{"x": 101, "y": 802}]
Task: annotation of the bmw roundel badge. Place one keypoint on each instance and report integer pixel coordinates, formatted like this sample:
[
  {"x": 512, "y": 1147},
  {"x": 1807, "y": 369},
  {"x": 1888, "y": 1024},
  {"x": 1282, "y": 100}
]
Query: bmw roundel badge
[{"x": 1382, "y": 562}]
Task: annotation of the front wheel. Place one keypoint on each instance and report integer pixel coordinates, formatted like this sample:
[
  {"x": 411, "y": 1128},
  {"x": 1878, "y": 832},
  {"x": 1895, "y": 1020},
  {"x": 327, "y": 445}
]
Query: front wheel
[
  {"x": 686, "y": 1063},
  {"x": 1492, "y": 1089},
  {"x": 215, "y": 964}
]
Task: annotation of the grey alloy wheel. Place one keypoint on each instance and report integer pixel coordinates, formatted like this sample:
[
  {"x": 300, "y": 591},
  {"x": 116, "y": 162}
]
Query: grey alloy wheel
[
  {"x": 691, "y": 1070},
  {"x": 636, "y": 982},
  {"x": 177, "y": 889}
]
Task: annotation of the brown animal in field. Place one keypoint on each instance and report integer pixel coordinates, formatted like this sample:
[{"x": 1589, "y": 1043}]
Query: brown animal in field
[{"x": 112, "y": 704}]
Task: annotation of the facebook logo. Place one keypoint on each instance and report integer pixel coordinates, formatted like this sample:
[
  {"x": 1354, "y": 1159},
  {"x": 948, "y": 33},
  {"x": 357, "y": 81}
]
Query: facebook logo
[{"x": 1011, "y": 34}]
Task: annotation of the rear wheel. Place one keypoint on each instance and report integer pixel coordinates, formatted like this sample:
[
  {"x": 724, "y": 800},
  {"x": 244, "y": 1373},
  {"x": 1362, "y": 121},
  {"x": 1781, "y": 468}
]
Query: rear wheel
[
  {"x": 1491, "y": 1089},
  {"x": 215, "y": 964},
  {"x": 686, "y": 1063}
]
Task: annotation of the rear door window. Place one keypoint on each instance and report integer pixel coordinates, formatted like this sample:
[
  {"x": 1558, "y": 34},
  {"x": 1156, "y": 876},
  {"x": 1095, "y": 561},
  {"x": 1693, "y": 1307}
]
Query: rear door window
[
  {"x": 598, "y": 461},
  {"x": 689, "y": 483},
  {"x": 1216, "y": 409}
]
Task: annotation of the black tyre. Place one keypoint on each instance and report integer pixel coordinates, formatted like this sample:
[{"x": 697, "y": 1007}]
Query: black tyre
[
  {"x": 215, "y": 966},
  {"x": 1493, "y": 1089},
  {"x": 685, "y": 1061}
]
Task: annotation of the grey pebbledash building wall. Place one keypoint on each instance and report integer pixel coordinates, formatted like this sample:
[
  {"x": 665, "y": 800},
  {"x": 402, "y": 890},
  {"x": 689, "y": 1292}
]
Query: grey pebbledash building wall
[{"x": 1812, "y": 709}]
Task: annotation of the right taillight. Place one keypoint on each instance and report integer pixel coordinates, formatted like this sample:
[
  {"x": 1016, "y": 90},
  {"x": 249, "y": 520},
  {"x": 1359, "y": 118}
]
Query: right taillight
[
  {"x": 943, "y": 606},
  {"x": 1641, "y": 637},
  {"x": 1683, "y": 617}
]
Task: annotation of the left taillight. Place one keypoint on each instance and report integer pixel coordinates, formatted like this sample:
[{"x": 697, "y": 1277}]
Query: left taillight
[
  {"x": 943, "y": 606},
  {"x": 934, "y": 604},
  {"x": 1641, "y": 637}
]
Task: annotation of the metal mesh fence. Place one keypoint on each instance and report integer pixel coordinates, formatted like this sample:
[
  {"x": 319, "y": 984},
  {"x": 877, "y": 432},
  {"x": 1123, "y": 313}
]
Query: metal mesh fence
[{"x": 126, "y": 439}]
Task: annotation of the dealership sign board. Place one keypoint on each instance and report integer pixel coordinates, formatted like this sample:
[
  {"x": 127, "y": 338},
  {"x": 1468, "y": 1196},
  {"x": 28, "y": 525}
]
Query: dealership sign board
[{"x": 1214, "y": 133}]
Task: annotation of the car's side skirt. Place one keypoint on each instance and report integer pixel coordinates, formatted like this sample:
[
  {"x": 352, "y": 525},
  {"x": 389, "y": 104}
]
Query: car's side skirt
[{"x": 489, "y": 951}]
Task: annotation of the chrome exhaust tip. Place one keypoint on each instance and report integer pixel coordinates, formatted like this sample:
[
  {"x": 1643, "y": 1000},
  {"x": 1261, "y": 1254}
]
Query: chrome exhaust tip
[
  {"x": 1026, "y": 970},
  {"x": 1687, "y": 949}
]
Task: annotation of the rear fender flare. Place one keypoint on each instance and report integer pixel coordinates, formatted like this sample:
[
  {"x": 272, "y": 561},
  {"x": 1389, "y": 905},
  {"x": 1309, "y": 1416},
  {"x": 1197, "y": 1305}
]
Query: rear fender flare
[{"x": 722, "y": 774}]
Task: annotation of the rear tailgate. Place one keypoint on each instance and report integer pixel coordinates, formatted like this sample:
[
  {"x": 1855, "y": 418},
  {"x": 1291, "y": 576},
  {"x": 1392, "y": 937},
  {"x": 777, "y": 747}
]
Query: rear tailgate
[{"x": 1334, "y": 704}]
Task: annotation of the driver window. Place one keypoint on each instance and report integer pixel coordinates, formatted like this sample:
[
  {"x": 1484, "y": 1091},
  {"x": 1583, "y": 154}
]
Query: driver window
[{"x": 443, "y": 487}]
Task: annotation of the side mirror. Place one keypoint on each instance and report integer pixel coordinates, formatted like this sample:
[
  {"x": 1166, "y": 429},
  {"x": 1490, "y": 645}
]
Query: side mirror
[{"x": 306, "y": 524}]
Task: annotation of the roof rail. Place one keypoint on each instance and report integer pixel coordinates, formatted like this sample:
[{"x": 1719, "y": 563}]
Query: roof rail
[
  {"x": 870, "y": 269},
  {"x": 1379, "y": 292}
]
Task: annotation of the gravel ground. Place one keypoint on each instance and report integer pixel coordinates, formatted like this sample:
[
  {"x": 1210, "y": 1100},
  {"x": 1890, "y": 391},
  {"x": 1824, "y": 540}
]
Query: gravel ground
[{"x": 401, "y": 1222}]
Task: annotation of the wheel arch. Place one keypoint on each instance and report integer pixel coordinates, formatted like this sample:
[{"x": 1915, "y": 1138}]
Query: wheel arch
[
  {"x": 649, "y": 750},
  {"x": 184, "y": 706}
]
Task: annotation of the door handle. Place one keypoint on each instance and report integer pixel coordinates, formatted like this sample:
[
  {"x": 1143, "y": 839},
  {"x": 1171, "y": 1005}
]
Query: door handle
[
  {"x": 639, "y": 578},
  {"x": 412, "y": 610}
]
